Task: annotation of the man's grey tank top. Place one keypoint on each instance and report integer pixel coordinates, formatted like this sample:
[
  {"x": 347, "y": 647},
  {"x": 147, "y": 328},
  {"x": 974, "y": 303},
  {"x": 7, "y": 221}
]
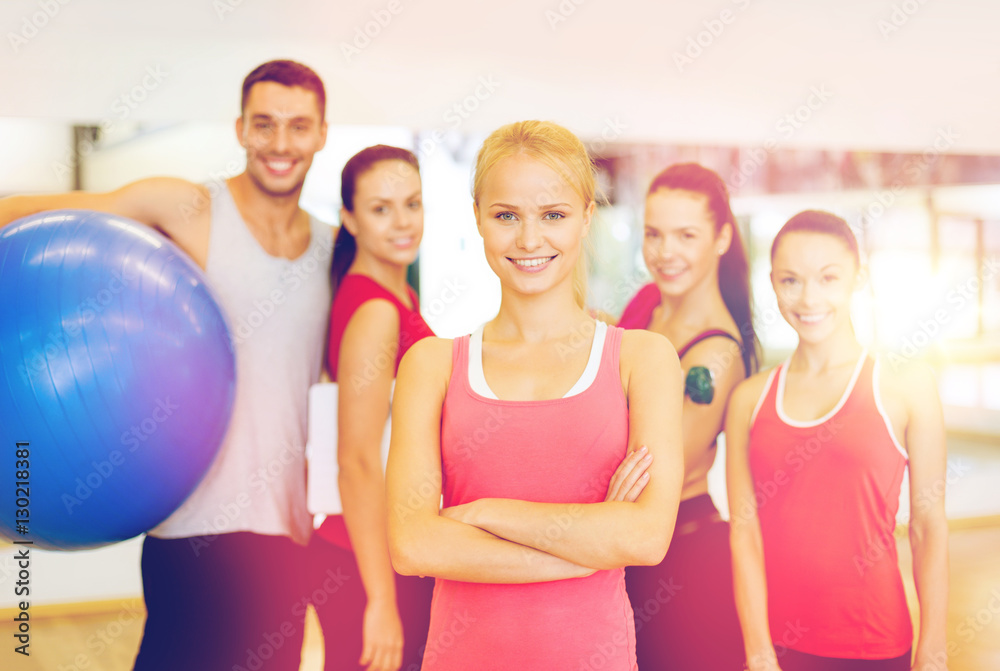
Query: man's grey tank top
[{"x": 278, "y": 310}]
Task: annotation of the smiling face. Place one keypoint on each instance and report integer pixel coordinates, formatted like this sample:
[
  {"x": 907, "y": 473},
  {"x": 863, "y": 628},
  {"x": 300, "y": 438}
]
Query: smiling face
[
  {"x": 281, "y": 129},
  {"x": 814, "y": 276},
  {"x": 680, "y": 245},
  {"x": 533, "y": 223},
  {"x": 388, "y": 217}
]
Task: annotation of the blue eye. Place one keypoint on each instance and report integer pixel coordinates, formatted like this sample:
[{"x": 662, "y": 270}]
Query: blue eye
[
  {"x": 554, "y": 216},
  {"x": 789, "y": 280},
  {"x": 505, "y": 216}
]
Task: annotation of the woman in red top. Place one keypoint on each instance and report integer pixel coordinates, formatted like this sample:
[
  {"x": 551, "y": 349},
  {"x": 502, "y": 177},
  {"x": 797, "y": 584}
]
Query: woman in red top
[
  {"x": 520, "y": 428},
  {"x": 375, "y": 619},
  {"x": 685, "y": 616},
  {"x": 817, "y": 450}
]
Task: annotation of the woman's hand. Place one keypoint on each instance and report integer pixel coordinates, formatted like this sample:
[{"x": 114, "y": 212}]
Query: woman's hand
[
  {"x": 631, "y": 477},
  {"x": 382, "y": 637}
]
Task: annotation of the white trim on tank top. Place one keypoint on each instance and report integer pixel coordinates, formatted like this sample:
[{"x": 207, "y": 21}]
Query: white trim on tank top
[
  {"x": 763, "y": 395},
  {"x": 779, "y": 398},
  {"x": 477, "y": 378},
  {"x": 882, "y": 412}
]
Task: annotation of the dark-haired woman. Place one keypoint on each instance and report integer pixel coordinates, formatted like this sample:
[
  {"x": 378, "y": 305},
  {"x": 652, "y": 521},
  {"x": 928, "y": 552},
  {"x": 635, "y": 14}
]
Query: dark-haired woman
[
  {"x": 371, "y": 617},
  {"x": 816, "y": 453},
  {"x": 685, "y": 616}
]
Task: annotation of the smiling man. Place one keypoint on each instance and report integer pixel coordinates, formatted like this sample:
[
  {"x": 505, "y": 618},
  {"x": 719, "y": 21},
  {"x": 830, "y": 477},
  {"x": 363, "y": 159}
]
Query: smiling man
[{"x": 219, "y": 575}]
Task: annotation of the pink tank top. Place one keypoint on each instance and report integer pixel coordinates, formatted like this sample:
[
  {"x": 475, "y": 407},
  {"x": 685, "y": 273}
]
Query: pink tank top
[
  {"x": 827, "y": 493},
  {"x": 639, "y": 310},
  {"x": 354, "y": 291},
  {"x": 561, "y": 450}
]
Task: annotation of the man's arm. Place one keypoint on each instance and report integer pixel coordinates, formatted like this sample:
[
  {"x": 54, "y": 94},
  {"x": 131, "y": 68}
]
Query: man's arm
[{"x": 179, "y": 209}]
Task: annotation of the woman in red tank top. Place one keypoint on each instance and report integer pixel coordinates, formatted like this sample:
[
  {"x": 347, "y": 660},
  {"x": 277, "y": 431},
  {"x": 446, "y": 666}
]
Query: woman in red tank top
[
  {"x": 700, "y": 300},
  {"x": 817, "y": 449},
  {"x": 534, "y": 450},
  {"x": 371, "y": 617}
]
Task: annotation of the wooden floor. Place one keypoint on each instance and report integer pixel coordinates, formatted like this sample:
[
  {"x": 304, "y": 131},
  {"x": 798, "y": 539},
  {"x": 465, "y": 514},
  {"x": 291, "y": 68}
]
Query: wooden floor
[{"x": 108, "y": 641}]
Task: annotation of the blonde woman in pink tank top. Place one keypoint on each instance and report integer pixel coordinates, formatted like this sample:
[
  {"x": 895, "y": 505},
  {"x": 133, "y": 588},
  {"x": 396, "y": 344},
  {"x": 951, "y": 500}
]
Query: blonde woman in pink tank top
[{"x": 534, "y": 460}]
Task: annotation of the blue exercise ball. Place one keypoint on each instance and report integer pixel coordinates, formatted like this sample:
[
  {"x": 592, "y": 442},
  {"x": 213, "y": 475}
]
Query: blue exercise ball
[{"x": 117, "y": 378}]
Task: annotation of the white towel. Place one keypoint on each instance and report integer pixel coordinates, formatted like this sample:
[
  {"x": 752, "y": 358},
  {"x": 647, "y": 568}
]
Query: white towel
[{"x": 322, "y": 490}]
